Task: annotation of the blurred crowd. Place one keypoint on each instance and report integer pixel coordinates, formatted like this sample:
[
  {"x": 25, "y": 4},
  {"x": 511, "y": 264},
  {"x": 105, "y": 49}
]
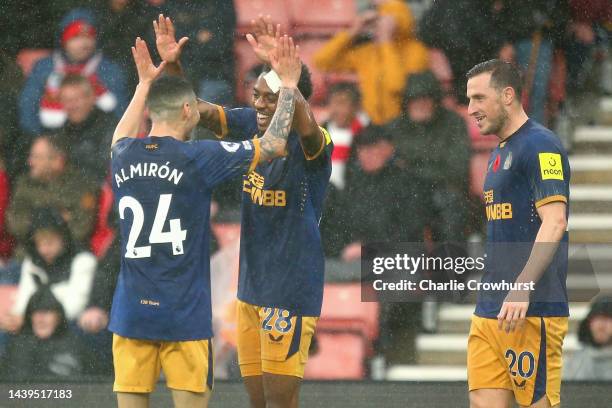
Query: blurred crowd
[{"x": 394, "y": 103}]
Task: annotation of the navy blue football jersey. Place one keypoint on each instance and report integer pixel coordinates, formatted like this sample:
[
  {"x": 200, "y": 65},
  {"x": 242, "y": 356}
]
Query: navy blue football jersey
[
  {"x": 528, "y": 170},
  {"x": 163, "y": 190},
  {"x": 281, "y": 254}
]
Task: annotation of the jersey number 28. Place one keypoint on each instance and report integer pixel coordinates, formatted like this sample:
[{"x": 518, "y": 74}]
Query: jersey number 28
[{"x": 175, "y": 236}]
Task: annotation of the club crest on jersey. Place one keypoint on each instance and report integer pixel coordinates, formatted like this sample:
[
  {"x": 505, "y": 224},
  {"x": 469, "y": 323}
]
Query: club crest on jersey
[
  {"x": 230, "y": 146},
  {"x": 508, "y": 161},
  {"x": 551, "y": 167}
]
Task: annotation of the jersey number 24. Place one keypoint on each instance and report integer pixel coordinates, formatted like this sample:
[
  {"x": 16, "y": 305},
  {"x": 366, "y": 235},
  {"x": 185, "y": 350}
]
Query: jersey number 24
[{"x": 175, "y": 236}]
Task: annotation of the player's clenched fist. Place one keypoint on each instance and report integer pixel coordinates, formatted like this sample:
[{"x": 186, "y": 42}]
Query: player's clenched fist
[{"x": 286, "y": 62}]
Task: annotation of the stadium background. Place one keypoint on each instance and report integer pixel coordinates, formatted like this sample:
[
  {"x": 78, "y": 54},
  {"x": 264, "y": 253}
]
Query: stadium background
[{"x": 355, "y": 340}]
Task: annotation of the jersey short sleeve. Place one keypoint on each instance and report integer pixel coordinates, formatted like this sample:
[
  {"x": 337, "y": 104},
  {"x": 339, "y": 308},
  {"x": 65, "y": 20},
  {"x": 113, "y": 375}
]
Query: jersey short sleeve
[
  {"x": 547, "y": 170},
  {"x": 220, "y": 161},
  {"x": 323, "y": 156},
  {"x": 237, "y": 124}
]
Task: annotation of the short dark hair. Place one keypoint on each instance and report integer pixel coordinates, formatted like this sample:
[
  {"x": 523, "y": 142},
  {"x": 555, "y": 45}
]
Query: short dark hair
[
  {"x": 348, "y": 88},
  {"x": 254, "y": 72},
  {"x": 503, "y": 74},
  {"x": 372, "y": 135},
  {"x": 304, "y": 84},
  {"x": 76, "y": 79},
  {"x": 168, "y": 94}
]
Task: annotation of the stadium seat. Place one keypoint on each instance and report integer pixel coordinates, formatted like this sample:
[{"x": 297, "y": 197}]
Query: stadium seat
[
  {"x": 27, "y": 58},
  {"x": 321, "y": 113},
  {"x": 247, "y": 10},
  {"x": 321, "y": 17},
  {"x": 340, "y": 356},
  {"x": 308, "y": 47},
  {"x": 343, "y": 309},
  {"x": 245, "y": 60},
  {"x": 7, "y": 243},
  {"x": 103, "y": 235},
  {"x": 478, "y": 170}
]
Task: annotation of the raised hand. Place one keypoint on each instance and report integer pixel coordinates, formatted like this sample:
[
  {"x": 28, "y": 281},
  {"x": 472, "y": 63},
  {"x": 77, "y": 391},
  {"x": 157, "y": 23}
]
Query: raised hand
[
  {"x": 147, "y": 71},
  {"x": 165, "y": 39},
  {"x": 286, "y": 62},
  {"x": 264, "y": 37}
]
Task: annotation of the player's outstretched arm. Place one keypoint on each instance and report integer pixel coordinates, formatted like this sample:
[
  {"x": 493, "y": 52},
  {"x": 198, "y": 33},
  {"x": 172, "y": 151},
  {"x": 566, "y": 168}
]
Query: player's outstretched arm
[
  {"x": 170, "y": 52},
  {"x": 147, "y": 73},
  {"x": 286, "y": 62}
]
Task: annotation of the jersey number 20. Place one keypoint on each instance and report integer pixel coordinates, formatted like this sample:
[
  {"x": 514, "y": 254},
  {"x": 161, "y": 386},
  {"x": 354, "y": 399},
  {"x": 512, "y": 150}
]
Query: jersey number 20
[{"x": 175, "y": 236}]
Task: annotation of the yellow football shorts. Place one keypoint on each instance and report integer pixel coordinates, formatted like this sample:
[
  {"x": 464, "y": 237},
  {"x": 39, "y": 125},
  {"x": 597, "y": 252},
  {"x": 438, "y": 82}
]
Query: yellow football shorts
[
  {"x": 273, "y": 340},
  {"x": 187, "y": 365},
  {"x": 526, "y": 361}
]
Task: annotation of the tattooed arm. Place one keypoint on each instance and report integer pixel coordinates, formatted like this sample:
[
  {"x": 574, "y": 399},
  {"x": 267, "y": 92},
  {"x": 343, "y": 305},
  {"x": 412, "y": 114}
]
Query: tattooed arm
[
  {"x": 286, "y": 62},
  {"x": 274, "y": 140}
]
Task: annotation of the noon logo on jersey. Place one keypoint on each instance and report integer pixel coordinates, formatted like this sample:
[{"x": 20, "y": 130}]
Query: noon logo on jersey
[{"x": 551, "y": 167}]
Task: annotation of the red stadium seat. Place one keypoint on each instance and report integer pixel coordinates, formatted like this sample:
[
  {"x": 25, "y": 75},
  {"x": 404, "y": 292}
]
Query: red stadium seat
[
  {"x": 343, "y": 309},
  {"x": 27, "y": 58},
  {"x": 103, "y": 235},
  {"x": 245, "y": 60},
  {"x": 340, "y": 356},
  {"x": 247, "y": 10},
  {"x": 321, "y": 16},
  {"x": 335, "y": 77},
  {"x": 308, "y": 47},
  {"x": 478, "y": 170},
  {"x": 320, "y": 112}
]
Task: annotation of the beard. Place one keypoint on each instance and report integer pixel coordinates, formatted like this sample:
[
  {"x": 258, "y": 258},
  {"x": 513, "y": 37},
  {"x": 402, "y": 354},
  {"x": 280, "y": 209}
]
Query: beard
[{"x": 498, "y": 123}]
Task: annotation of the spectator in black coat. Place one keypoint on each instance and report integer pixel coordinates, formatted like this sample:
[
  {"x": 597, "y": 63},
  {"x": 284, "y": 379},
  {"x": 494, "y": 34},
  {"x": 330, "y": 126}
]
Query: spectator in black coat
[
  {"x": 88, "y": 130},
  {"x": 382, "y": 201},
  {"x": 45, "y": 348},
  {"x": 118, "y": 20},
  {"x": 208, "y": 57},
  {"x": 434, "y": 143}
]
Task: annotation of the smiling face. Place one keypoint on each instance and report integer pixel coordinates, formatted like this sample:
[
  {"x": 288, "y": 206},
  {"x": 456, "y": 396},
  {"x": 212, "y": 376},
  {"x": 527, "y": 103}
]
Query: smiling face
[
  {"x": 264, "y": 102},
  {"x": 486, "y": 104}
]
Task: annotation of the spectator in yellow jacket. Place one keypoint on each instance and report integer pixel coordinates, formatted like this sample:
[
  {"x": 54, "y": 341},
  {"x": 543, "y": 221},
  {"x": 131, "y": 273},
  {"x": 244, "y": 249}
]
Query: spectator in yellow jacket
[{"x": 382, "y": 50}]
